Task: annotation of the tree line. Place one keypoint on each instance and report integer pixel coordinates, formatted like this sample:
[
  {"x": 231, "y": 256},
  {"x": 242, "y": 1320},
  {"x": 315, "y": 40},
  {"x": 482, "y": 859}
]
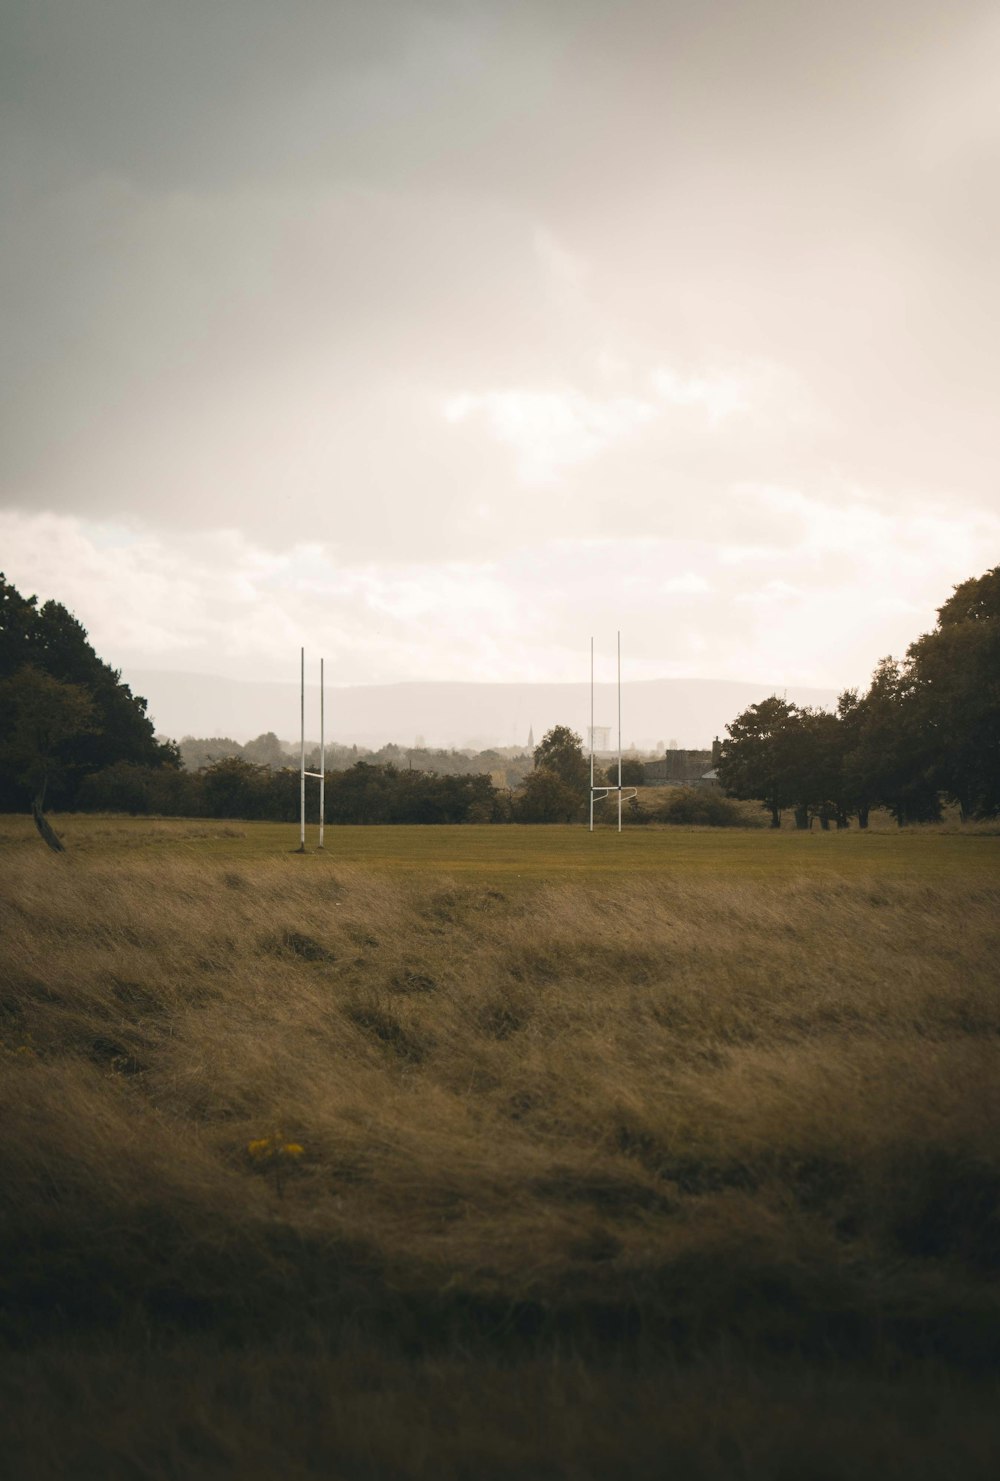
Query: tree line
[
  {"x": 927, "y": 730},
  {"x": 508, "y": 765},
  {"x": 73, "y": 736},
  {"x": 367, "y": 791},
  {"x": 237, "y": 788}
]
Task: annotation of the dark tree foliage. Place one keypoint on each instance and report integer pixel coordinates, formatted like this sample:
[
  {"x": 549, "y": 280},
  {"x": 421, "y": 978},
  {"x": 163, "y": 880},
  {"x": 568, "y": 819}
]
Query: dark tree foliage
[
  {"x": 927, "y": 727},
  {"x": 544, "y": 797},
  {"x": 887, "y": 755},
  {"x": 163, "y": 791},
  {"x": 871, "y": 752},
  {"x": 44, "y": 721},
  {"x": 758, "y": 760},
  {"x": 49, "y": 641},
  {"x": 384, "y": 794},
  {"x": 818, "y": 769},
  {"x": 954, "y": 681},
  {"x": 698, "y": 807},
  {"x": 858, "y": 790},
  {"x": 559, "y": 752},
  {"x": 236, "y": 788},
  {"x": 633, "y": 772}
]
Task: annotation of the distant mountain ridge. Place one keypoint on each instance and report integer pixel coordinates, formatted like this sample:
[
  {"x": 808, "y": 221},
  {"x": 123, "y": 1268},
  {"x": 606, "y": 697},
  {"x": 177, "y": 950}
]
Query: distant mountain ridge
[{"x": 654, "y": 711}]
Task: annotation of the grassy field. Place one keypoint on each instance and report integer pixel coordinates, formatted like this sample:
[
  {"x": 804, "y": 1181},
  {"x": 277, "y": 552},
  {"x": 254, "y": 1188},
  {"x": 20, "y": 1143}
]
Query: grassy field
[
  {"x": 502, "y": 1152},
  {"x": 550, "y": 852}
]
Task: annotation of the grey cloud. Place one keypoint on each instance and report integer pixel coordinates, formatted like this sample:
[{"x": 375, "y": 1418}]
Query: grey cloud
[{"x": 251, "y": 248}]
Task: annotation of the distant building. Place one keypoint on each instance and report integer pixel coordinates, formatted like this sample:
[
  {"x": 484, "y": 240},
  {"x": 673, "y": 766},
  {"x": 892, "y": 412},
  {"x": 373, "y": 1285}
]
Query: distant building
[
  {"x": 598, "y": 737},
  {"x": 684, "y": 768}
]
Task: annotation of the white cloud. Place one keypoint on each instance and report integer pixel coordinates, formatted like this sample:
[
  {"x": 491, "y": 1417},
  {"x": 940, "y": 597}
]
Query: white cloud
[
  {"x": 690, "y": 584},
  {"x": 849, "y": 585},
  {"x": 860, "y": 527},
  {"x": 718, "y": 394},
  {"x": 551, "y": 430},
  {"x": 771, "y": 592}
]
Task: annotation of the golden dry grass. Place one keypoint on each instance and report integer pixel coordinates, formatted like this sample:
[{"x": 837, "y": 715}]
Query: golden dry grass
[{"x": 575, "y": 1154}]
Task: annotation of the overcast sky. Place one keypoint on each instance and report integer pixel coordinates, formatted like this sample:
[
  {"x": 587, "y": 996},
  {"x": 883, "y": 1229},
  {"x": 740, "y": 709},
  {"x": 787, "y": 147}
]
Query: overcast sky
[{"x": 439, "y": 335}]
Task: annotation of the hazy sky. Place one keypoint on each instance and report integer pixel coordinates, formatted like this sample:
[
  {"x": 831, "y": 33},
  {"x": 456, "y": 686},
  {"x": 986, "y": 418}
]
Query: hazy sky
[{"x": 438, "y": 335}]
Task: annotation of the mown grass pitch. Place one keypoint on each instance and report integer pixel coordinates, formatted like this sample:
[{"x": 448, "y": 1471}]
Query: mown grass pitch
[{"x": 551, "y": 852}]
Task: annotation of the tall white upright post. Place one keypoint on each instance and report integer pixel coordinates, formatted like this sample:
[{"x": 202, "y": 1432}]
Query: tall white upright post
[
  {"x": 322, "y": 754},
  {"x": 320, "y": 775},
  {"x": 302, "y": 750},
  {"x": 619, "y": 732},
  {"x": 606, "y": 790},
  {"x": 591, "y": 735}
]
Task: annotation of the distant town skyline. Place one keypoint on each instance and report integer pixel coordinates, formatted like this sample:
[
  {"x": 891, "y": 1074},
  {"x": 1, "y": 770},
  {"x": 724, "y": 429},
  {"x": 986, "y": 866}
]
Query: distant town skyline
[
  {"x": 655, "y": 713},
  {"x": 441, "y": 336}
]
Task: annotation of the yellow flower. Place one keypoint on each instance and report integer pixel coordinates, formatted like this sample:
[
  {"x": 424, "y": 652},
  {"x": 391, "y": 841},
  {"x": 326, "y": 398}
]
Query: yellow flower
[
  {"x": 260, "y": 1148},
  {"x": 292, "y": 1149}
]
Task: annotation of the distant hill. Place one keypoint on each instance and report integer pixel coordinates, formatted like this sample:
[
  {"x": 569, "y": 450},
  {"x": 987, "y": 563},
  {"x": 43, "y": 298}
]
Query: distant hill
[{"x": 688, "y": 711}]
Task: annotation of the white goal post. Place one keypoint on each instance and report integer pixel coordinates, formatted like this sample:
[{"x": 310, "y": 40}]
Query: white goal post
[
  {"x": 624, "y": 793},
  {"x": 321, "y": 774}
]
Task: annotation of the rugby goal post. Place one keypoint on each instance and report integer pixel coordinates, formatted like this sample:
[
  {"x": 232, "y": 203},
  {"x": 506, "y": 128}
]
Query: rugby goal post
[
  {"x": 318, "y": 775},
  {"x": 624, "y": 793}
]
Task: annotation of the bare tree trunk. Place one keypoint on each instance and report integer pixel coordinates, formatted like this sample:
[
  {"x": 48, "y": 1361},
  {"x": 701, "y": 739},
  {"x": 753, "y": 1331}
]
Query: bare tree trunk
[
  {"x": 802, "y": 819},
  {"x": 44, "y": 826}
]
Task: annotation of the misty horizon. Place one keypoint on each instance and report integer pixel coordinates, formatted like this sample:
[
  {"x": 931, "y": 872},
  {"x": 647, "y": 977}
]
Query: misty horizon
[{"x": 451, "y": 714}]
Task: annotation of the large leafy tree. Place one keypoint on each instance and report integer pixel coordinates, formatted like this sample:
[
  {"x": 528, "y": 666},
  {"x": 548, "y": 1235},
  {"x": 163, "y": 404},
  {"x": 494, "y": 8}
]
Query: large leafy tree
[
  {"x": 812, "y": 743},
  {"x": 544, "y": 797},
  {"x": 633, "y": 772},
  {"x": 49, "y": 643},
  {"x": 44, "y": 722},
  {"x": 560, "y": 753},
  {"x": 858, "y": 793},
  {"x": 561, "y": 750},
  {"x": 758, "y": 758},
  {"x": 887, "y": 757},
  {"x": 954, "y": 693}
]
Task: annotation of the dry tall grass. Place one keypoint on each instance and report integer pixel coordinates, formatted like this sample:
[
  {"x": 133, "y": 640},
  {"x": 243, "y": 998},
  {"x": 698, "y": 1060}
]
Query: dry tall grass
[{"x": 572, "y": 1156}]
